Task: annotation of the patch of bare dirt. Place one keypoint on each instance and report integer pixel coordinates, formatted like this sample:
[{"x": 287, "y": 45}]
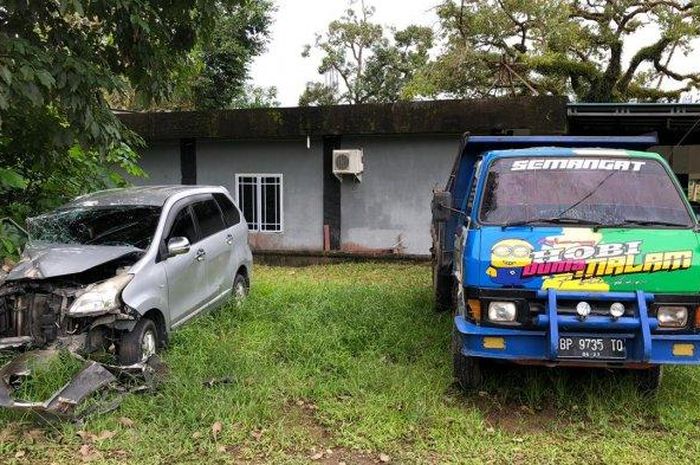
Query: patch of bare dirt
[{"x": 324, "y": 450}]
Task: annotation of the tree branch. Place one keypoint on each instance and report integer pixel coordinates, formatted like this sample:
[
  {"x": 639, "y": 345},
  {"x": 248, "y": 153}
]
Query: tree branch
[
  {"x": 695, "y": 77},
  {"x": 649, "y": 53}
]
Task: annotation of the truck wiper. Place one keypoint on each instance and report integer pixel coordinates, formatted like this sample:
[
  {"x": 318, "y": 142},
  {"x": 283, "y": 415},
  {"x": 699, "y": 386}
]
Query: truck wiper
[
  {"x": 642, "y": 223},
  {"x": 553, "y": 220}
]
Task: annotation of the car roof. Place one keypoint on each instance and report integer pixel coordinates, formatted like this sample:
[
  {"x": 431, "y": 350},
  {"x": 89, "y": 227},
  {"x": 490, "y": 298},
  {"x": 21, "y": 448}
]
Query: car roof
[{"x": 144, "y": 195}]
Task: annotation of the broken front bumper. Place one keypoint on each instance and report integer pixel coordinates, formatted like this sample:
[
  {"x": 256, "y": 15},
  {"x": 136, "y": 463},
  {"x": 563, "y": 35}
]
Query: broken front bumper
[
  {"x": 93, "y": 377},
  {"x": 541, "y": 345}
]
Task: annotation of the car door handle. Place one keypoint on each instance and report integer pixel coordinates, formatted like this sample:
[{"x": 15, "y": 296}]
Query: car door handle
[
  {"x": 200, "y": 255},
  {"x": 229, "y": 239}
]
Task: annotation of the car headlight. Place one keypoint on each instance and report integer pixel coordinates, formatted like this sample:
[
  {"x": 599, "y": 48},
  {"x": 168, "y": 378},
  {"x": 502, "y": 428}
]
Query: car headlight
[
  {"x": 100, "y": 298},
  {"x": 502, "y": 311},
  {"x": 672, "y": 316}
]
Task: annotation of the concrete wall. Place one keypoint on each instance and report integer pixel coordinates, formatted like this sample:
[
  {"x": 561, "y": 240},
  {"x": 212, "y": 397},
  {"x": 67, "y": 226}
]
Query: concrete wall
[
  {"x": 391, "y": 206},
  {"x": 162, "y": 164},
  {"x": 218, "y": 162},
  {"x": 389, "y": 209}
]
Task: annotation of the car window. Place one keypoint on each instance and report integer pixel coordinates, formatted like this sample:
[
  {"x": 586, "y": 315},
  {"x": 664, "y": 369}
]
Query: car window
[
  {"x": 231, "y": 215},
  {"x": 183, "y": 226},
  {"x": 209, "y": 217}
]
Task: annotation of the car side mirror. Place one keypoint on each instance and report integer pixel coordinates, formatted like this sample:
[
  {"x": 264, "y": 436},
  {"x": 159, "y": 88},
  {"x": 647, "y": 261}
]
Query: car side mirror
[
  {"x": 178, "y": 246},
  {"x": 441, "y": 206}
]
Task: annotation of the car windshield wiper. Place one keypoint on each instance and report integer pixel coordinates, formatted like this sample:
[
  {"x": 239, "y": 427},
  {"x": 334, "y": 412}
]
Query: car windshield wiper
[
  {"x": 553, "y": 220},
  {"x": 643, "y": 223}
]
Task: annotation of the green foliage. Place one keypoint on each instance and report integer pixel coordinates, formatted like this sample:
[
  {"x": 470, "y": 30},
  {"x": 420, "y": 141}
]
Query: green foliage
[
  {"x": 256, "y": 97},
  {"x": 215, "y": 73},
  {"x": 59, "y": 61},
  {"x": 48, "y": 375},
  {"x": 239, "y": 35},
  {"x": 572, "y": 48},
  {"x": 371, "y": 67}
]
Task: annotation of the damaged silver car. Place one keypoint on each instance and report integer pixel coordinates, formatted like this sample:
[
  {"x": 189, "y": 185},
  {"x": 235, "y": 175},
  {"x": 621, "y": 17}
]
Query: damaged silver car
[{"x": 117, "y": 270}]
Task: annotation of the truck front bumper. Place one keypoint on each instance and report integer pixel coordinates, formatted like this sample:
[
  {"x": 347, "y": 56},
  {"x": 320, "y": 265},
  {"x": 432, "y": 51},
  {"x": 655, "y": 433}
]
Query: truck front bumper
[{"x": 540, "y": 344}]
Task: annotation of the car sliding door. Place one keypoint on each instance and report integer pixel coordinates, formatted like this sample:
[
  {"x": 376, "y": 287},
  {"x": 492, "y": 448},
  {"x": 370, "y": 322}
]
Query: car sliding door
[
  {"x": 236, "y": 234},
  {"x": 215, "y": 245}
]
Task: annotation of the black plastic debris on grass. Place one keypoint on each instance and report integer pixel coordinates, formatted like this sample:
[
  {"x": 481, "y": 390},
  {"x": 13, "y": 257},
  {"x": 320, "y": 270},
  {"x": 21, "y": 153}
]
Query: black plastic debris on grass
[{"x": 92, "y": 381}]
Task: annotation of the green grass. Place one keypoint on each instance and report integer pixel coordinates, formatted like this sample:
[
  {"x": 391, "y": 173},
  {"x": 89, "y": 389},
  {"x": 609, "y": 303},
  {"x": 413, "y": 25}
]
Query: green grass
[
  {"x": 48, "y": 375},
  {"x": 352, "y": 358}
]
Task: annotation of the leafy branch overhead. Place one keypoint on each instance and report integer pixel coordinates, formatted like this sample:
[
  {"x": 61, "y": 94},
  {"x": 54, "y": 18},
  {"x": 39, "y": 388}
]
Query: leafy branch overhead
[
  {"x": 361, "y": 64},
  {"x": 61, "y": 60},
  {"x": 576, "y": 48}
]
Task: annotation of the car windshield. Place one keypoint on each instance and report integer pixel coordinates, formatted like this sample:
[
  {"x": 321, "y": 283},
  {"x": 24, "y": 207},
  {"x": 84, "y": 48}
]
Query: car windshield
[
  {"x": 582, "y": 190},
  {"x": 120, "y": 225}
]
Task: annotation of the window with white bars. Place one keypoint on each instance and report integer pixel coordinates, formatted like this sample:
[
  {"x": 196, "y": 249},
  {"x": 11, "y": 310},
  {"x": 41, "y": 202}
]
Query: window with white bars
[{"x": 259, "y": 196}]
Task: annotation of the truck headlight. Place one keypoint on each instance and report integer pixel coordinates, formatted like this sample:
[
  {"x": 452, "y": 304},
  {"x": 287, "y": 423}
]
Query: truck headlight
[
  {"x": 101, "y": 297},
  {"x": 502, "y": 312},
  {"x": 672, "y": 316}
]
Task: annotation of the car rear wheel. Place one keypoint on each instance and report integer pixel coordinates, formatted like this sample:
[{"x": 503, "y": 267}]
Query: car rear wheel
[
  {"x": 240, "y": 288},
  {"x": 139, "y": 344},
  {"x": 467, "y": 370}
]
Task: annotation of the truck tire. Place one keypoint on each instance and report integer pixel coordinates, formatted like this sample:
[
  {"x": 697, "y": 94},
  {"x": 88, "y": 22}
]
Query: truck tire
[
  {"x": 467, "y": 370},
  {"x": 443, "y": 286},
  {"x": 648, "y": 380},
  {"x": 140, "y": 343}
]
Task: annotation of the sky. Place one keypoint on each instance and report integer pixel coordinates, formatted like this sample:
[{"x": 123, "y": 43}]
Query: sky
[
  {"x": 296, "y": 24},
  {"x": 298, "y": 21}
]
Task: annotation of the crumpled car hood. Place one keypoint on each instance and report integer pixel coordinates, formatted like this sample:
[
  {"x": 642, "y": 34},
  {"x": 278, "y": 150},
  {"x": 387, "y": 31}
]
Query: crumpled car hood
[{"x": 51, "y": 260}]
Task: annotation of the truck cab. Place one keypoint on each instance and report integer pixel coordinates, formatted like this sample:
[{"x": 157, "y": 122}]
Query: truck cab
[{"x": 567, "y": 251}]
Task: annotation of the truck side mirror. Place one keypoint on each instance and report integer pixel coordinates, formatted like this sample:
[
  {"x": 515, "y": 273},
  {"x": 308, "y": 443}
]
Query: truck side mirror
[{"x": 441, "y": 206}]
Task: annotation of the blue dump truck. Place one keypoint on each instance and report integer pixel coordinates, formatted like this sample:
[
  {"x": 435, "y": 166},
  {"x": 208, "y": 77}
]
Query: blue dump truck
[{"x": 566, "y": 251}]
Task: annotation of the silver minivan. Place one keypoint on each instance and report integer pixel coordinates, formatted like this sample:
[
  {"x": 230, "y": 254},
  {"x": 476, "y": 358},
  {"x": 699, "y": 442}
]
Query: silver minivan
[{"x": 117, "y": 270}]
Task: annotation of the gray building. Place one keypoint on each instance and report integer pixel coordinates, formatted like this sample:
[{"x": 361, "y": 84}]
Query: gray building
[{"x": 279, "y": 162}]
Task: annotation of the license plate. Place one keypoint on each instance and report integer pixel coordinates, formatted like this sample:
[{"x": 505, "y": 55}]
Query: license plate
[{"x": 592, "y": 347}]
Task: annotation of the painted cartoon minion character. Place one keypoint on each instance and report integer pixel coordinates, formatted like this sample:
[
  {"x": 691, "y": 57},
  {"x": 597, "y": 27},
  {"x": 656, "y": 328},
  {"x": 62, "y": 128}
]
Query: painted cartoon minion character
[{"x": 508, "y": 258}]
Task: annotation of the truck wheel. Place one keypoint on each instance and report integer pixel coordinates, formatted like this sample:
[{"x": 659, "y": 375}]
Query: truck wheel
[
  {"x": 443, "y": 291},
  {"x": 467, "y": 370},
  {"x": 139, "y": 344},
  {"x": 648, "y": 380}
]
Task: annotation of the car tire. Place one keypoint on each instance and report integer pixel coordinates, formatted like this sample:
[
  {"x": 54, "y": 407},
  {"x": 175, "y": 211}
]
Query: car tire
[
  {"x": 648, "y": 380},
  {"x": 240, "y": 288},
  {"x": 139, "y": 344},
  {"x": 467, "y": 370}
]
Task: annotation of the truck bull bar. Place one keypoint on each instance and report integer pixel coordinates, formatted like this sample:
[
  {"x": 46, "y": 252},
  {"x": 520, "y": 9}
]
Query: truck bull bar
[{"x": 540, "y": 342}]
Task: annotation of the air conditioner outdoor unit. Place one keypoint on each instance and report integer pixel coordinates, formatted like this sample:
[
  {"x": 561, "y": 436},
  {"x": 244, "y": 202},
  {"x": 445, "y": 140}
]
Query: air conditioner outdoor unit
[{"x": 348, "y": 163}]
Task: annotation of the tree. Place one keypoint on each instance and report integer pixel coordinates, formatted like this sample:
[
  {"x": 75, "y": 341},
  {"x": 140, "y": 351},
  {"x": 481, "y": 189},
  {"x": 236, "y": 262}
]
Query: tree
[
  {"x": 370, "y": 66},
  {"x": 240, "y": 34},
  {"x": 562, "y": 47},
  {"x": 215, "y": 73},
  {"x": 58, "y": 61},
  {"x": 256, "y": 97}
]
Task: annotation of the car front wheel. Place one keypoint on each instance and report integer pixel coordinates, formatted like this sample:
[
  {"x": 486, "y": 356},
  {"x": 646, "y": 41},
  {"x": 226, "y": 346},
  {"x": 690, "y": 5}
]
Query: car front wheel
[{"x": 139, "y": 344}]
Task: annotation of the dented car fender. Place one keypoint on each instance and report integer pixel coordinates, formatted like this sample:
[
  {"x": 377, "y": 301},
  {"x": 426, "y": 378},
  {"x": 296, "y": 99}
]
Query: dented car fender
[{"x": 148, "y": 291}]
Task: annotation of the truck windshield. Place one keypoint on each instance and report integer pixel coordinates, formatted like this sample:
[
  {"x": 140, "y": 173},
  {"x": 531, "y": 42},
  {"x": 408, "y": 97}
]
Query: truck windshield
[
  {"x": 123, "y": 225},
  {"x": 582, "y": 190}
]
